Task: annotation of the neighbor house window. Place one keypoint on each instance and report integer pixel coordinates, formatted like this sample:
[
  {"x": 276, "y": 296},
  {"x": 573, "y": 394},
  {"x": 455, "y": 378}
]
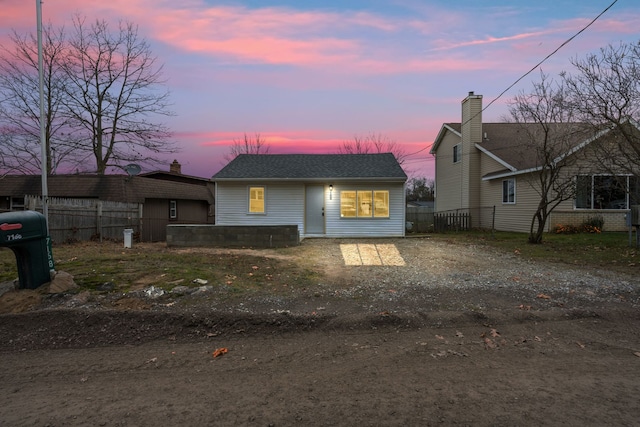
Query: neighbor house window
[
  {"x": 256, "y": 199},
  {"x": 364, "y": 204},
  {"x": 173, "y": 209},
  {"x": 457, "y": 152},
  {"x": 606, "y": 191},
  {"x": 509, "y": 191}
]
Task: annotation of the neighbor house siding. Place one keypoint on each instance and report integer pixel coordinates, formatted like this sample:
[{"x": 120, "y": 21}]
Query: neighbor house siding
[
  {"x": 393, "y": 226},
  {"x": 448, "y": 175},
  {"x": 284, "y": 204}
]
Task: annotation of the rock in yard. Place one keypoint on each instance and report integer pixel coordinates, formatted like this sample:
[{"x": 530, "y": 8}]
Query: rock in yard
[{"x": 62, "y": 282}]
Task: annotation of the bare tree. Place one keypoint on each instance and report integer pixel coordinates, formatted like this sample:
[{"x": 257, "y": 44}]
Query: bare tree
[
  {"x": 19, "y": 106},
  {"x": 373, "y": 143},
  {"x": 114, "y": 86},
  {"x": 247, "y": 145},
  {"x": 605, "y": 92},
  {"x": 550, "y": 136},
  {"x": 420, "y": 188}
]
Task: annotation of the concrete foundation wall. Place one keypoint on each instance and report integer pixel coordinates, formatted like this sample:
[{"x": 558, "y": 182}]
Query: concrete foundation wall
[{"x": 254, "y": 236}]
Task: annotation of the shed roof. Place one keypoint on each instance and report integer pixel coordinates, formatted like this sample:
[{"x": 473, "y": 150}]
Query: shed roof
[
  {"x": 312, "y": 167},
  {"x": 120, "y": 188}
]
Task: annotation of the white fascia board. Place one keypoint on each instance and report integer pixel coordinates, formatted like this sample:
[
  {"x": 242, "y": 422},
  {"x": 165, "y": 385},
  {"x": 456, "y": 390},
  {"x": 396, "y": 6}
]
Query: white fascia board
[
  {"x": 441, "y": 133},
  {"x": 496, "y": 158}
]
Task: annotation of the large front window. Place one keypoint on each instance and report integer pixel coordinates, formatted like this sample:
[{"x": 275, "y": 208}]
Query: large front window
[
  {"x": 256, "y": 199},
  {"x": 364, "y": 204},
  {"x": 606, "y": 191}
]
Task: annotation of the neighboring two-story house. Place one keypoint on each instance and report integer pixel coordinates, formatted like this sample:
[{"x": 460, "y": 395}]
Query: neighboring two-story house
[{"x": 490, "y": 171}]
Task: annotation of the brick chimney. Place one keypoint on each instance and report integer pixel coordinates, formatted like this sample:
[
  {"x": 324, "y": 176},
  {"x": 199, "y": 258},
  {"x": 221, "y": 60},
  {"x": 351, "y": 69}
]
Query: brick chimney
[{"x": 175, "y": 167}]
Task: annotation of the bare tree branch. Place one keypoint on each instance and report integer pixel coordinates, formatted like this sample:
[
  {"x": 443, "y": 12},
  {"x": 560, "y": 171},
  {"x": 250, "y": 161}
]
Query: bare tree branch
[
  {"x": 550, "y": 133},
  {"x": 247, "y": 145},
  {"x": 373, "y": 143}
]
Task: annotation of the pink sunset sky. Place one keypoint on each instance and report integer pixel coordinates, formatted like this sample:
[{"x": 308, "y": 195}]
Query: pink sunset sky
[{"x": 309, "y": 75}]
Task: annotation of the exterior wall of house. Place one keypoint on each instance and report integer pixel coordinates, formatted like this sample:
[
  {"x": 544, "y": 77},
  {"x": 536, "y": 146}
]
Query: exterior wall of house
[
  {"x": 518, "y": 217},
  {"x": 394, "y": 226},
  {"x": 285, "y": 205},
  {"x": 448, "y": 175}
]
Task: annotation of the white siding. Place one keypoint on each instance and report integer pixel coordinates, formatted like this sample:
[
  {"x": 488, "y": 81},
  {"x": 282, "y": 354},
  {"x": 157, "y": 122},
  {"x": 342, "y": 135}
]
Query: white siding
[
  {"x": 393, "y": 226},
  {"x": 284, "y": 204}
]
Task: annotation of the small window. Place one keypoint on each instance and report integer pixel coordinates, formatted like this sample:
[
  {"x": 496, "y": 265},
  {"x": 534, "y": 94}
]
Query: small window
[
  {"x": 509, "y": 191},
  {"x": 173, "y": 209},
  {"x": 347, "y": 204},
  {"x": 457, "y": 152},
  {"x": 365, "y": 204},
  {"x": 256, "y": 199},
  {"x": 381, "y": 204}
]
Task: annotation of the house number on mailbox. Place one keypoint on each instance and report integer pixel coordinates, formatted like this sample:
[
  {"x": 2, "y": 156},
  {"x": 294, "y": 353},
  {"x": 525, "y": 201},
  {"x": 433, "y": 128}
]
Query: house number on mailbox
[{"x": 13, "y": 237}]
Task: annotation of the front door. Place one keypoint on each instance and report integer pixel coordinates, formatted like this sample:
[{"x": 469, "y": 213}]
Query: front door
[{"x": 314, "y": 210}]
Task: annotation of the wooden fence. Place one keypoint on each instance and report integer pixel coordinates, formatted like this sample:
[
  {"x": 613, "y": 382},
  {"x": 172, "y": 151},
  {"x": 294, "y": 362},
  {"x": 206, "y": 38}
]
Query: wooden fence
[
  {"x": 452, "y": 221},
  {"x": 419, "y": 219},
  {"x": 87, "y": 219}
]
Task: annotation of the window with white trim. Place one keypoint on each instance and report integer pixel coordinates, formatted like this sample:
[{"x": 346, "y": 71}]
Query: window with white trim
[
  {"x": 509, "y": 191},
  {"x": 173, "y": 209},
  {"x": 606, "y": 191},
  {"x": 457, "y": 153},
  {"x": 256, "y": 200},
  {"x": 364, "y": 204}
]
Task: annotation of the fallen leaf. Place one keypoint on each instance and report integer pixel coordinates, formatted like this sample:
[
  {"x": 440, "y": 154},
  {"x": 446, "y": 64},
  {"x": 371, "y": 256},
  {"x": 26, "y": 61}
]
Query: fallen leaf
[
  {"x": 255, "y": 267},
  {"x": 580, "y": 344},
  {"x": 524, "y": 307},
  {"x": 489, "y": 343},
  {"x": 440, "y": 337},
  {"x": 543, "y": 296},
  {"x": 494, "y": 333},
  {"x": 220, "y": 351},
  {"x": 459, "y": 334},
  {"x": 537, "y": 338}
]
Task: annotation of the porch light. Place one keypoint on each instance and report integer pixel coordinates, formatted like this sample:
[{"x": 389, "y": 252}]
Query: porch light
[{"x": 330, "y": 191}]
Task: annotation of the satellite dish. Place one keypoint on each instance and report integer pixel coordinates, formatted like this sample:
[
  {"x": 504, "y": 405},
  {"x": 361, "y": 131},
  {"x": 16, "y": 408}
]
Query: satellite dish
[{"x": 132, "y": 169}]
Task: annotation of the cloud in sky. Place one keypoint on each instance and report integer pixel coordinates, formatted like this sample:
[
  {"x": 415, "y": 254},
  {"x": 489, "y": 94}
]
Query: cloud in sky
[{"x": 309, "y": 75}]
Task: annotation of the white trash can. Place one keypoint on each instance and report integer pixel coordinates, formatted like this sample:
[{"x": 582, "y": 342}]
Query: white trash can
[{"x": 128, "y": 234}]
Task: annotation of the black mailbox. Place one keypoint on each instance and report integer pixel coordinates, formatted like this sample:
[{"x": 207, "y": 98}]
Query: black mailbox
[{"x": 25, "y": 233}]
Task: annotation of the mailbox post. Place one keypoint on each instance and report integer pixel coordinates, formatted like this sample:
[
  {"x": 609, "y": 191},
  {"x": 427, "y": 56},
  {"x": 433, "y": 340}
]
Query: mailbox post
[{"x": 25, "y": 233}]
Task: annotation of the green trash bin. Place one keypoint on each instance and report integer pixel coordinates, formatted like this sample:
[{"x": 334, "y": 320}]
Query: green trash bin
[{"x": 25, "y": 233}]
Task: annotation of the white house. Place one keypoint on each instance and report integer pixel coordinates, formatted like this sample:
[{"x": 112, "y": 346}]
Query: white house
[{"x": 325, "y": 195}]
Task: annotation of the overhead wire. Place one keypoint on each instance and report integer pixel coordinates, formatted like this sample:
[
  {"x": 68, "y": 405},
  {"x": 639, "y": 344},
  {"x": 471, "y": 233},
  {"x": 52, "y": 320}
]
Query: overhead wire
[{"x": 567, "y": 41}]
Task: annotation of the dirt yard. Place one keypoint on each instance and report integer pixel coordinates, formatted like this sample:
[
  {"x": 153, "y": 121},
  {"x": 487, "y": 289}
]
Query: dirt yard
[{"x": 396, "y": 332}]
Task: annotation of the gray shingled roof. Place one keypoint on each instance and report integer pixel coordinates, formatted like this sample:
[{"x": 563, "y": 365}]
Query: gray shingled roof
[
  {"x": 312, "y": 167},
  {"x": 511, "y": 142},
  {"x": 104, "y": 187}
]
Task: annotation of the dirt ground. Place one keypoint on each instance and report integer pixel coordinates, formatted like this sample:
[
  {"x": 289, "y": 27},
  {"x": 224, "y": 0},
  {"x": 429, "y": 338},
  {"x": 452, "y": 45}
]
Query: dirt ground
[{"x": 406, "y": 332}]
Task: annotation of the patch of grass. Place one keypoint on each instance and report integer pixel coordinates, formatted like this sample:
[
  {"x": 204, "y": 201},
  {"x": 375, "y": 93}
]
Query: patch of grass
[
  {"x": 93, "y": 264},
  {"x": 604, "y": 250}
]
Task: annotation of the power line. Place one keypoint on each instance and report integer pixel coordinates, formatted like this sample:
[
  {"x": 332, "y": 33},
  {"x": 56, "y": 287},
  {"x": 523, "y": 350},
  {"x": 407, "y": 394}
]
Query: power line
[
  {"x": 531, "y": 70},
  {"x": 547, "y": 57}
]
